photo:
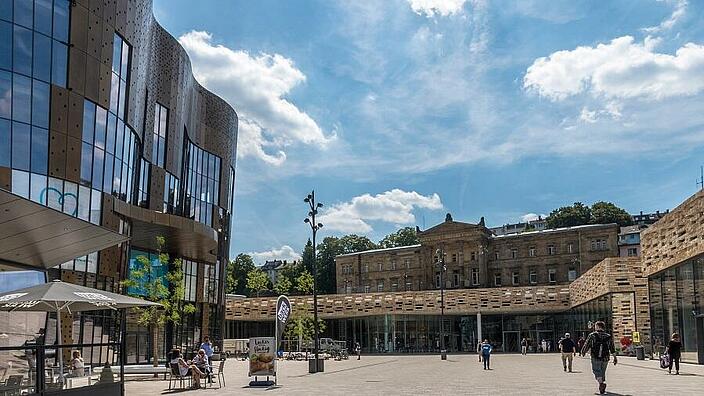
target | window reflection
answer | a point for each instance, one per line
(202, 183)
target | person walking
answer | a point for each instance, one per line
(674, 349)
(601, 345)
(486, 354)
(479, 351)
(567, 351)
(543, 346)
(358, 350)
(524, 346)
(580, 343)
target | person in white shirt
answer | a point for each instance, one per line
(185, 368)
(77, 365)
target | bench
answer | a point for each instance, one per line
(137, 369)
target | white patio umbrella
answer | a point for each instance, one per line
(58, 296)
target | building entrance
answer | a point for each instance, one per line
(511, 341)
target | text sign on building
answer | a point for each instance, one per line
(261, 356)
(636, 337)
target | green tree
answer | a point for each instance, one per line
(283, 285)
(327, 277)
(257, 281)
(304, 283)
(236, 274)
(606, 212)
(301, 326)
(355, 243)
(147, 281)
(307, 258)
(569, 216)
(406, 236)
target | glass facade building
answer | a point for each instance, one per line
(87, 129)
(676, 305)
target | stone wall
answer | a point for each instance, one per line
(676, 237)
(624, 280)
(513, 300)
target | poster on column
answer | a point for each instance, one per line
(261, 356)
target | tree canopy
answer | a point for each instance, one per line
(406, 236)
(236, 274)
(257, 281)
(579, 214)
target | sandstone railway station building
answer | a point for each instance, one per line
(534, 284)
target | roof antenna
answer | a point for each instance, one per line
(700, 181)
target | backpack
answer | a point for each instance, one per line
(600, 345)
(486, 349)
(665, 361)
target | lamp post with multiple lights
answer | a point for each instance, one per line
(314, 226)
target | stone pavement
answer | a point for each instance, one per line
(536, 374)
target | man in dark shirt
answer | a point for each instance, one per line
(601, 345)
(567, 351)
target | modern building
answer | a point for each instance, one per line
(673, 261)
(106, 143)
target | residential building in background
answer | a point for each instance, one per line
(106, 133)
(648, 218)
(538, 224)
(629, 240)
(274, 267)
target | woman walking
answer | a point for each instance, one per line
(674, 349)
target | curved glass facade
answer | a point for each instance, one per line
(202, 177)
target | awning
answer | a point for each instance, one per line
(38, 237)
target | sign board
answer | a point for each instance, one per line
(283, 312)
(262, 353)
(636, 337)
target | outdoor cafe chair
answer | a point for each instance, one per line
(220, 374)
(176, 375)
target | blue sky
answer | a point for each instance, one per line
(399, 111)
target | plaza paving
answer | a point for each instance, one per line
(539, 374)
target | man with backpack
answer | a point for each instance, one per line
(601, 345)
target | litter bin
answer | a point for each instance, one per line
(311, 366)
(640, 352)
(443, 354)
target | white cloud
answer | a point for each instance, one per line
(285, 252)
(256, 86)
(531, 216)
(588, 116)
(618, 70)
(667, 24)
(395, 206)
(431, 8)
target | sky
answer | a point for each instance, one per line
(399, 111)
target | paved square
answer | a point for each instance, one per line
(537, 374)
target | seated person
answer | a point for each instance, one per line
(107, 375)
(77, 366)
(185, 368)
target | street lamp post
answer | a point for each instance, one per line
(314, 226)
(441, 263)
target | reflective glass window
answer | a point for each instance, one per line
(88, 121)
(107, 173)
(5, 45)
(110, 138)
(86, 162)
(95, 206)
(22, 50)
(5, 94)
(98, 158)
(42, 16)
(21, 98)
(6, 10)
(5, 142)
(20, 183)
(24, 12)
(40, 150)
(40, 104)
(60, 28)
(41, 67)
(37, 187)
(20, 145)
(116, 54)
(59, 59)
(100, 124)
